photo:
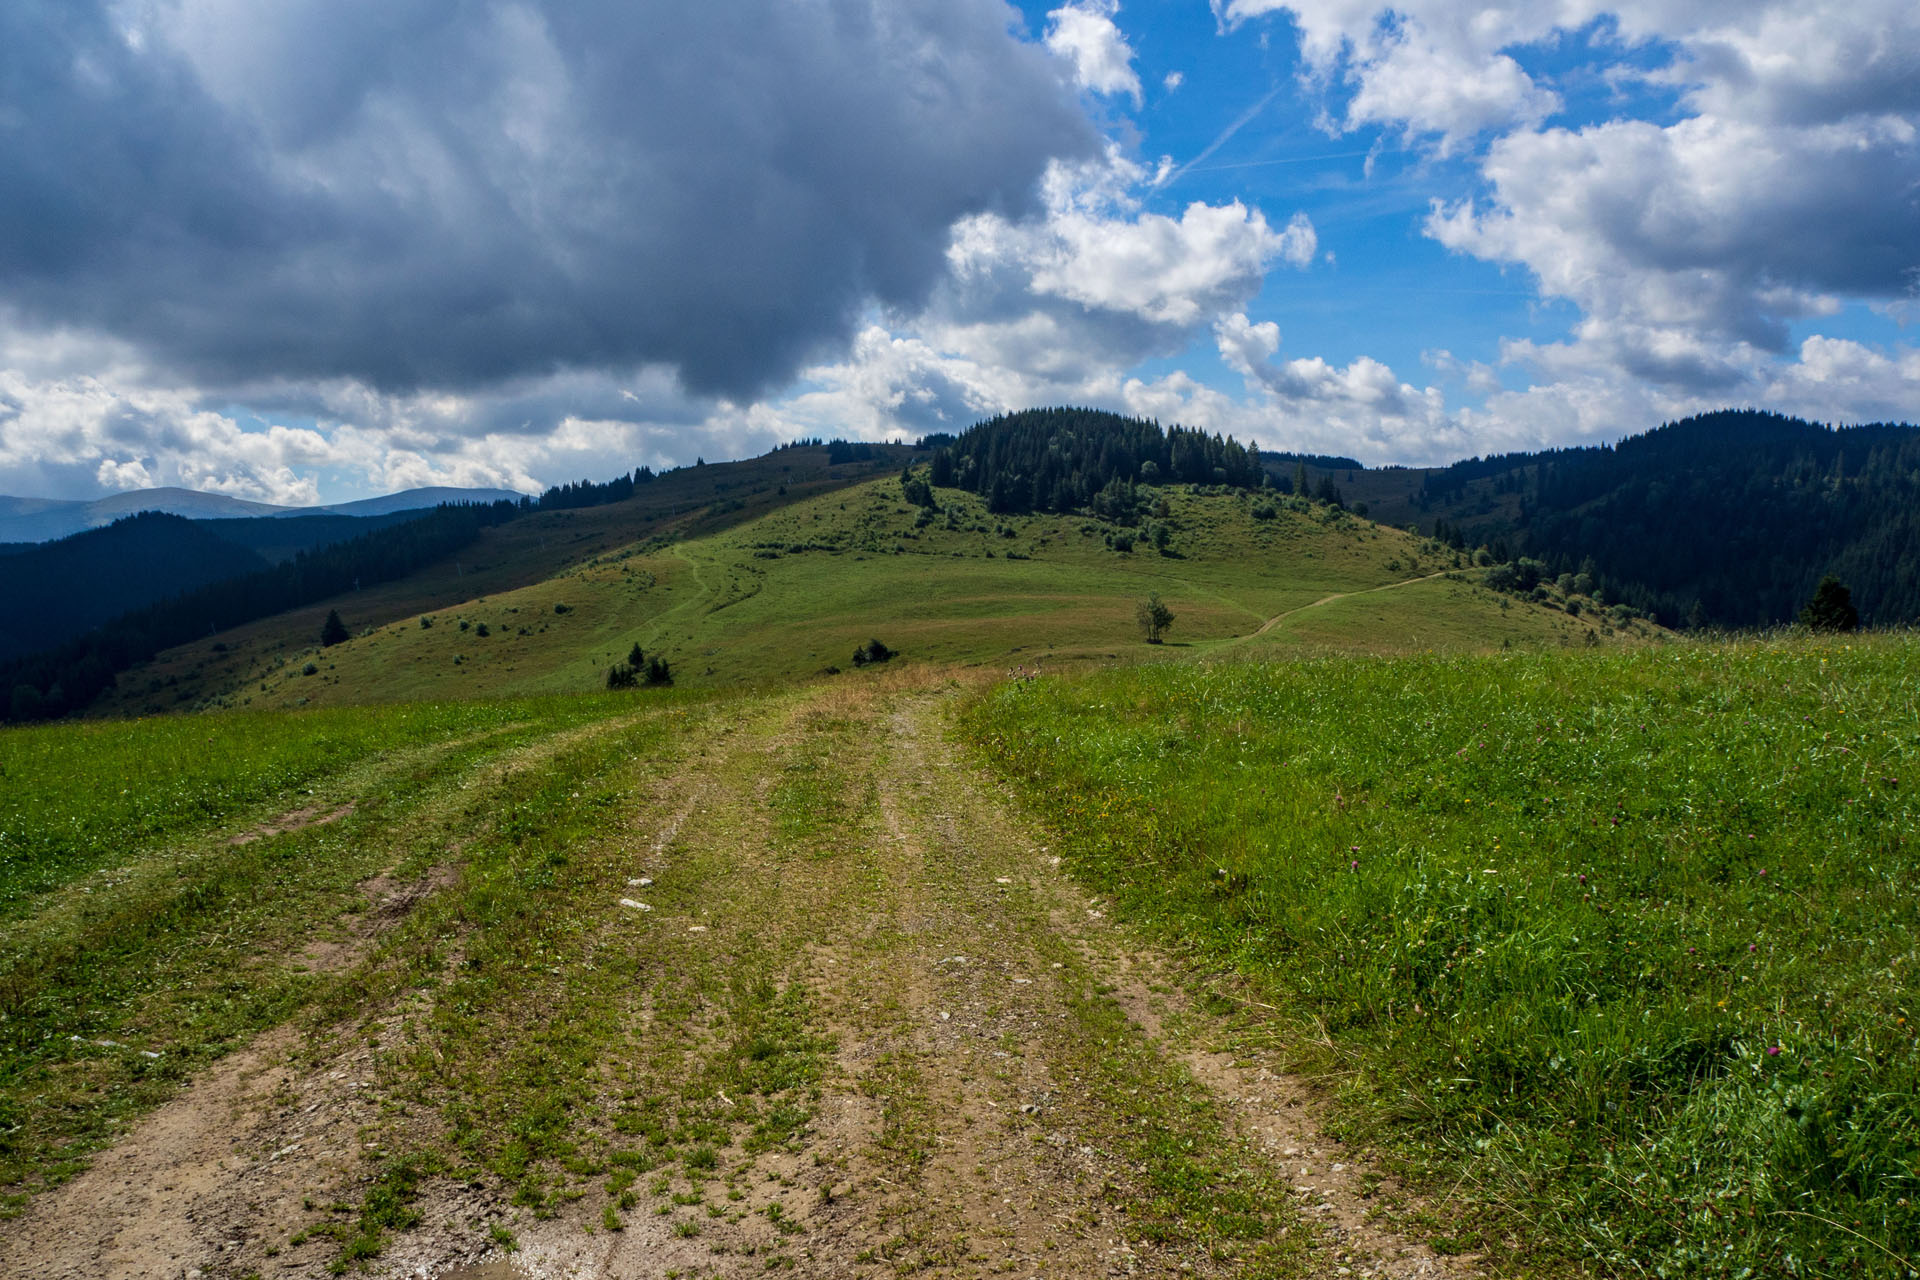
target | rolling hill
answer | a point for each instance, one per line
(790, 592)
(62, 588)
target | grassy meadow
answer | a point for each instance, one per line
(1613, 951)
(226, 671)
(792, 593)
(168, 880)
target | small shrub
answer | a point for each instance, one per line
(481, 630)
(562, 608)
(310, 670)
(873, 651)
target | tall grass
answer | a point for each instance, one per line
(1619, 945)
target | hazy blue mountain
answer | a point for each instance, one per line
(44, 519)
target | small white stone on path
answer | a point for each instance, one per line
(635, 906)
(696, 928)
(641, 882)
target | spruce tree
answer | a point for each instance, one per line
(333, 631)
(1831, 608)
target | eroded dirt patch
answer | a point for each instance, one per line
(313, 815)
(216, 1183)
(389, 900)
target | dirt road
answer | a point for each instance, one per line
(842, 1014)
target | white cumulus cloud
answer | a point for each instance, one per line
(1085, 34)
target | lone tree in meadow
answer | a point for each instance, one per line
(1154, 617)
(333, 631)
(1831, 608)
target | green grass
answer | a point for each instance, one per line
(145, 942)
(75, 796)
(792, 593)
(1615, 951)
(227, 670)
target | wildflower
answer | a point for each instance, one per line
(1773, 1051)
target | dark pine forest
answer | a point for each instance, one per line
(1727, 519)
(1066, 459)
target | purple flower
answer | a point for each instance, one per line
(1774, 1052)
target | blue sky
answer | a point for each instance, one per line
(329, 250)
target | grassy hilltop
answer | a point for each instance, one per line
(788, 594)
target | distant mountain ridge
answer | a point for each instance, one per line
(62, 588)
(45, 519)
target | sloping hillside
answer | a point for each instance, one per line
(62, 588)
(518, 554)
(1727, 518)
(794, 593)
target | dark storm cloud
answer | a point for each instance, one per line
(419, 195)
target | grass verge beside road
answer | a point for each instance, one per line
(1616, 950)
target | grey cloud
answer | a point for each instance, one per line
(413, 195)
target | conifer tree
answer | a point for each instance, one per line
(333, 631)
(1831, 608)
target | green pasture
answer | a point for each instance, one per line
(1614, 950)
(165, 877)
(793, 593)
